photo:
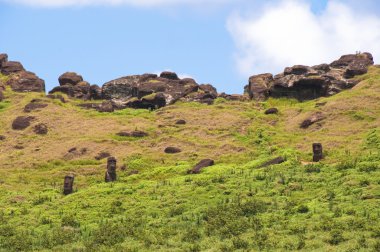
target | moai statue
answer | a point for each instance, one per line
(68, 184)
(111, 170)
(317, 152)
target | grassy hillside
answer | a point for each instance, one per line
(232, 206)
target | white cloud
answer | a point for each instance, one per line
(140, 3)
(289, 33)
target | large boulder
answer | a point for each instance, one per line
(152, 101)
(95, 92)
(74, 86)
(24, 81)
(149, 90)
(22, 122)
(69, 78)
(10, 67)
(169, 75)
(350, 59)
(3, 58)
(306, 83)
(259, 85)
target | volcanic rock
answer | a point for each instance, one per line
(10, 67)
(102, 155)
(202, 164)
(73, 85)
(1, 96)
(24, 81)
(311, 120)
(22, 122)
(105, 106)
(209, 89)
(234, 97)
(152, 101)
(136, 133)
(34, 105)
(95, 92)
(151, 92)
(69, 78)
(180, 122)
(79, 91)
(3, 59)
(306, 83)
(271, 111)
(2, 138)
(41, 129)
(172, 150)
(259, 85)
(277, 160)
(74, 153)
(169, 75)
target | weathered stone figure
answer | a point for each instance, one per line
(111, 170)
(317, 152)
(68, 185)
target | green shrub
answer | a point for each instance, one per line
(69, 221)
(303, 209)
(346, 165)
(313, 168)
(336, 237)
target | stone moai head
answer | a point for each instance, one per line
(111, 164)
(68, 184)
(111, 170)
(317, 152)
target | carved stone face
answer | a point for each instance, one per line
(111, 165)
(68, 181)
(317, 148)
(68, 184)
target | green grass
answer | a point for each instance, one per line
(234, 205)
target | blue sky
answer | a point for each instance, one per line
(217, 42)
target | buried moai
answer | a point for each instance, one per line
(68, 184)
(317, 152)
(111, 170)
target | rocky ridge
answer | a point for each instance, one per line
(18, 78)
(306, 83)
(150, 91)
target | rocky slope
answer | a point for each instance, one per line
(150, 91)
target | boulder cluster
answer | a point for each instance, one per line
(306, 83)
(18, 78)
(74, 86)
(148, 91)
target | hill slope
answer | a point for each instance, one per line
(235, 204)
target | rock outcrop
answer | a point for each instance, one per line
(74, 86)
(18, 78)
(10, 67)
(25, 81)
(306, 83)
(147, 91)
(146, 87)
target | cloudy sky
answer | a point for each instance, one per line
(221, 42)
